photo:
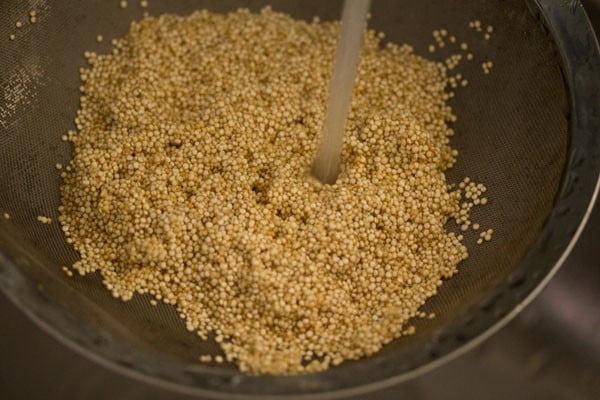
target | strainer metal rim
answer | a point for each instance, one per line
(570, 28)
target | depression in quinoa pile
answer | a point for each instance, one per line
(189, 181)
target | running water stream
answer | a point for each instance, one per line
(326, 166)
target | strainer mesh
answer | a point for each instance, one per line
(511, 134)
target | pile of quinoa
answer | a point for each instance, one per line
(190, 182)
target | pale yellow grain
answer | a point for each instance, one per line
(195, 174)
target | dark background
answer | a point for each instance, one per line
(550, 351)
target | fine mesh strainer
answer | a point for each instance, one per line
(529, 131)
